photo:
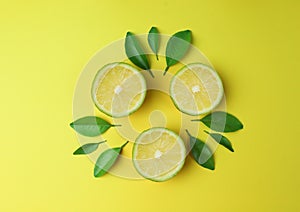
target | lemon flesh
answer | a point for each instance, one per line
(158, 154)
(196, 89)
(118, 89)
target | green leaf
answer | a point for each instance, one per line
(221, 140)
(177, 47)
(91, 126)
(106, 160)
(153, 40)
(87, 148)
(201, 153)
(221, 122)
(135, 52)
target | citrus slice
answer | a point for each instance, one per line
(196, 89)
(118, 89)
(158, 154)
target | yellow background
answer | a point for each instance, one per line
(44, 45)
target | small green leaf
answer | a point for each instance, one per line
(221, 122)
(87, 148)
(91, 126)
(153, 40)
(177, 47)
(106, 160)
(135, 52)
(201, 153)
(221, 140)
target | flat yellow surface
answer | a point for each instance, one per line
(44, 45)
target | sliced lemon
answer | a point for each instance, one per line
(158, 154)
(196, 89)
(118, 89)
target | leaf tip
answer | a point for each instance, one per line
(96, 174)
(210, 166)
(242, 126)
(77, 151)
(129, 33)
(189, 34)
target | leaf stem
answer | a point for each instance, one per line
(151, 73)
(189, 134)
(157, 57)
(102, 142)
(166, 69)
(196, 120)
(206, 132)
(124, 144)
(116, 125)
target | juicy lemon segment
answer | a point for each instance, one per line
(118, 89)
(158, 154)
(196, 89)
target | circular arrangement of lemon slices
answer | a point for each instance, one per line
(158, 153)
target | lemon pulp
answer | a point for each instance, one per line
(118, 89)
(196, 89)
(158, 154)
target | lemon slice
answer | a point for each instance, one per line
(118, 89)
(158, 154)
(196, 89)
